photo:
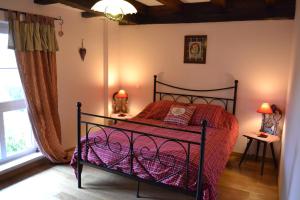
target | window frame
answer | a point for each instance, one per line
(3, 27)
(11, 106)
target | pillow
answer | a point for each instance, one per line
(146, 110)
(211, 113)
(180, 114)
(226, 121)
(160, 109)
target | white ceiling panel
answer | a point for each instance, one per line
(150, 2)
(194, 1)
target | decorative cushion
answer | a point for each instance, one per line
(211, 113)
(159, 110)
(180, 114)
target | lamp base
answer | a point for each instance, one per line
(122, 115)
(262, 135)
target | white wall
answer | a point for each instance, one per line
(257, 53)
(77, 80)
(289, 179)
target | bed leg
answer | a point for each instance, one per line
(138, 190)
(79, 165)
(199, 192)
(79, 171)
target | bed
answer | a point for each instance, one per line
(188, 158)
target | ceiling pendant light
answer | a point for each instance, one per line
(114, 9)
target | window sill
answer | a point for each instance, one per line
(18, 163)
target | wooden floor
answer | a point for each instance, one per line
(58, 182)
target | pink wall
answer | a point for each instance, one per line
(256, 53)
(113, 61)
(289, 179)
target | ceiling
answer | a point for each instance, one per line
(150, 2)
(192, 11)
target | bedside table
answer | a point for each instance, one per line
(123, 116)
(268, 140)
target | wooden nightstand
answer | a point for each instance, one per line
(268, 140)
(124, 116)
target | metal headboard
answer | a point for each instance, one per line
(192, 98)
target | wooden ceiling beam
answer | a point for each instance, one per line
(141, 8)
(270, 2)
(236, 10)
(91, 14)
(219, 3)
(87, 5)
(45, 2)
(174, 5)
(214, 11)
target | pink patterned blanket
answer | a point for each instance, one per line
(159, 159)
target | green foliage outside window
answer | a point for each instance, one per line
(14, 145)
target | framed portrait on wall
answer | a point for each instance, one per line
(195, 49)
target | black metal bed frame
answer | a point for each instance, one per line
(192, 98)
(132, 136)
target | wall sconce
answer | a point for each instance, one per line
(120, 100)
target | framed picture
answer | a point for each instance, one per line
(195, 49)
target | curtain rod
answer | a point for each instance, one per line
(24, 13)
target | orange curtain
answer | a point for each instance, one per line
(38, 74)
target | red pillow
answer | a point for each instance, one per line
(226, 121)
(160, 109)
(146, 110)
(180, 114)
(211, 113)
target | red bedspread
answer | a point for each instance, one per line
(161, 160)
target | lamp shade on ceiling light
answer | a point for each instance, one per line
(122, 94)
(265, 108)
(114, 9)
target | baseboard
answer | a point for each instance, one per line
(251, 156)
(26, 170)
(236, 154)
(23, 171)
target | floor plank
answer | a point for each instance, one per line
(59, 183)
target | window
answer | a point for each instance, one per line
(16, 136)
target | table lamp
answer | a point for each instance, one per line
(264, 109)
(120, 99)
(122, 94)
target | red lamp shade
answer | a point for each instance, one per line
(122, 94)
(265, 108)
